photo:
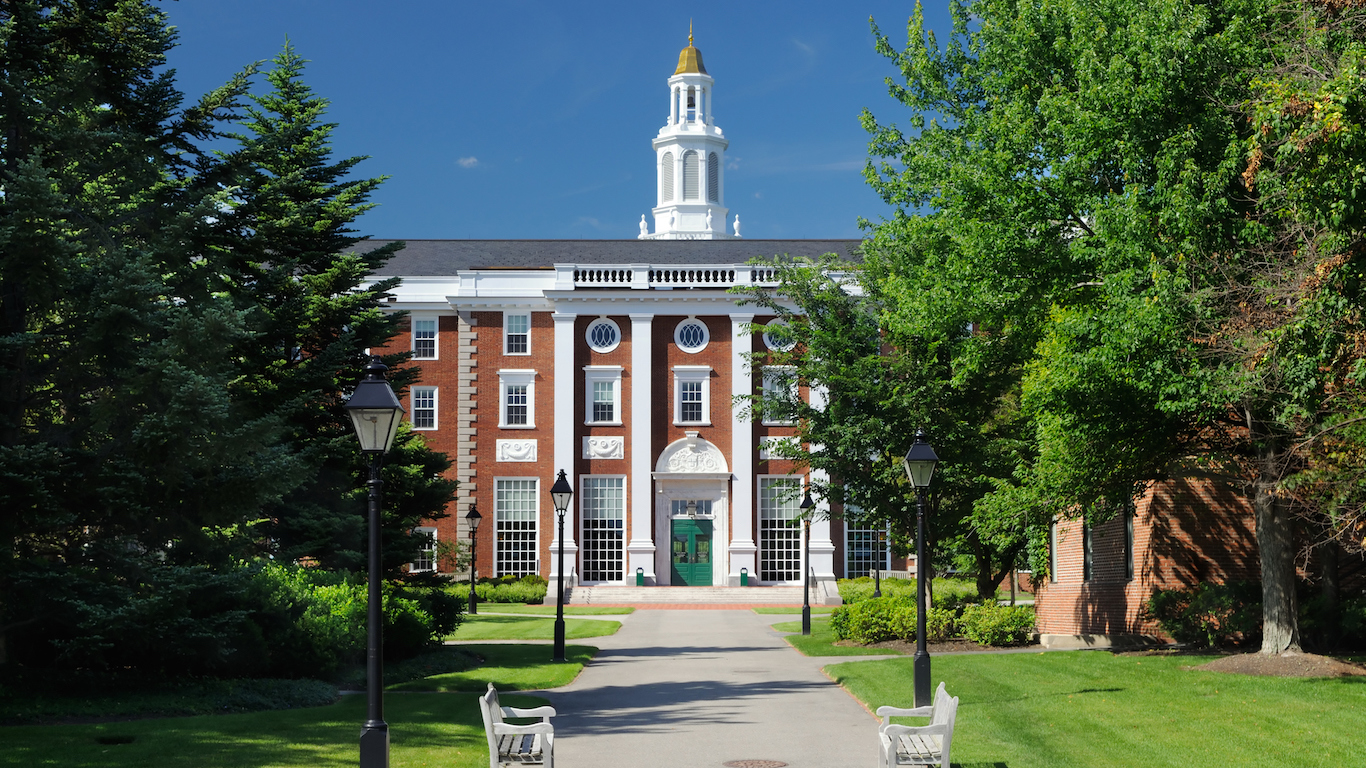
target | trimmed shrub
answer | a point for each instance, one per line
(510, 589)
(875, 620)
(1209, 615)
(992, 624)
(940, 623)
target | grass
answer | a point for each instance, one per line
(1091, 708)
(786, 609)
(508, 667)
(549, 610)
(161, 698)
(821, 641)
(425, 729)
(485, 627)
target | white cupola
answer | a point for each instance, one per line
(690, 159)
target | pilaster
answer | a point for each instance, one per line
(566, 439)
(640, 550)
(743, 551)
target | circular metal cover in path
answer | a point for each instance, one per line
(755, 764)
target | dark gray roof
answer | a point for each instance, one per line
(446, 257)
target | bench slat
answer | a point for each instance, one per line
(520, 748)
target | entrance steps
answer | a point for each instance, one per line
(618, 595)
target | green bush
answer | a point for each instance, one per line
(510, 589)
(992, 624)
(875, 620)
(857, 590)
(1209, 615)
(941, 623)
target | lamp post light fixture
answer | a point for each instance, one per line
(806, 507)
(560, 494)
(472, 518)
(374, 412)
(919, 464)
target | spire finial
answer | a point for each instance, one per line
(689, 31)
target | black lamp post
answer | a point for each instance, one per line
(560, 494)
(919, 464)
(374, 412)
(877, 571)
(806, 506)
(472, 518)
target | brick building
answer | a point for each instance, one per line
(1182, 532)
(618, 361)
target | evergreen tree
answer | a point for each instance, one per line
(300, 273)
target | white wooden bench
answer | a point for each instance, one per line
(922, 744)
(511, 745)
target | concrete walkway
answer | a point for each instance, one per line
(700, 688)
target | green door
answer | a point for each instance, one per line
(691, 553)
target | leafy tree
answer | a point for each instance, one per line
(877, 387)
(1075, 183)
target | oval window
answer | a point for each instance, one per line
(603, 335)
(691, 335)
(778, 340)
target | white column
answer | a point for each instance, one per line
(743, 552)
(822, 547)
(673, 106)
(565, 435)
(641, 548)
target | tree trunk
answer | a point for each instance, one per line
(1275, 540)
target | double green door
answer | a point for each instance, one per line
(691, 555)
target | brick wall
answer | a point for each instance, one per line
(1184, 531)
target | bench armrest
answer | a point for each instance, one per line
(941, 729)
(502, 728)
(534, 712)
(904, 712)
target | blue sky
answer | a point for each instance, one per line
(520, 119)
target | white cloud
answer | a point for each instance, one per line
(732, 163)
(804, 47)
(758, 195)
(467, 162)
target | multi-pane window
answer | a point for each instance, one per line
(602, 392)
(691, 508)
(779, 394)
(517, 395)
(780, 534)
(604, 528)
(424, 407)
(515, 514)
(424, 339)
(1129, 544)
(1053, 551)
(1087, 557)
(604, 401)
(864, 548)
(517, 334)
(425, 560)
(517, 405)
(690, 401)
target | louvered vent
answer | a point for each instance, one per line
(666, 177)
(690, 177)
(714, 178)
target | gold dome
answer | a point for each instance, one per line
(690, 59)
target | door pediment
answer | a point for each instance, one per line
(692, 458)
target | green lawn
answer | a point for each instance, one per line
(1056, 710)
(549, 610)
(821, 641)
(797, 609)
(425, 729)
(485, 627)
(510, 668)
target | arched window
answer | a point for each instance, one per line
(666, 177)
(690, 177)
(714, 178)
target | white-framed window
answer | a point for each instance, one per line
(603, 335)
(692, 335)
(1129, 543)
(1053, 550)
(780, 533)
(602, 389)
(516, 512)
(516, 399)
(602, 503)
(516, 333)
(424, 338)
(423, 401)
(692, 394)
(775, 338)
(864, 548)
(426, 553)
(779, 394)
